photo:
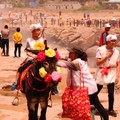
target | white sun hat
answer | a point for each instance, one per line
(35, 26)
(111, 37)
(107, 26)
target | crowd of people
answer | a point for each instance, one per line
(107, 59)
(22, 19)
(97, 23)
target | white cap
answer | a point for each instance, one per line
(111, 37)
(34, 26)
(107, 26)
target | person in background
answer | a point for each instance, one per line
(1, 46)
(9, 13)
(84, 15)
(5, 40)
(104, 35)
(36, 31)
(17, 37)
(78, 60)
(70, 21)
(108, 62)
(88, 15)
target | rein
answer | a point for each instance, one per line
(35, 79)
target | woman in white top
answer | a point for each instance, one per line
(35, 30)
(79, 61)
(107, 59)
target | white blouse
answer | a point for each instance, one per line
(88, 79)
(73, 76)
(31, 42)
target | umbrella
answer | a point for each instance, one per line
(113, 19)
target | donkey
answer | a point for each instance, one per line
(35, 87)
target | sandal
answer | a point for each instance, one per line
(14, 86)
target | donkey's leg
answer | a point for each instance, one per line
(32, 111)
(43, 109)
(36, 109)
(43, 114)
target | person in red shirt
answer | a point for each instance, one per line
(104, 35)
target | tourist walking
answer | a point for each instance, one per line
(107, 59)
(104, 35)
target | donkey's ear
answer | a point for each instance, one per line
(55, 49)
(45, 42)
(46, 48)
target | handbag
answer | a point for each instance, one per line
(76, 103)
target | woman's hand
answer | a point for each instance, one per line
(116, 80)
(108, 54)
(100, 61)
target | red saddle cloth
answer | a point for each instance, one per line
(22, 78)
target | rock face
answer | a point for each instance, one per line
(84, 38)
(73, 36)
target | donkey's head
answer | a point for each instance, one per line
(48, 71)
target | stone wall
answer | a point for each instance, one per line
(2, 6)
(63, 5)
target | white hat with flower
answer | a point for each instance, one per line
(111, 37)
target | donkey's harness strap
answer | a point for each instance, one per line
(36, 79)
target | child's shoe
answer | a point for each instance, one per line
(14, 86)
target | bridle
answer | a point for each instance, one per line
(37, 80)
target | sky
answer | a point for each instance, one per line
(114, 0)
